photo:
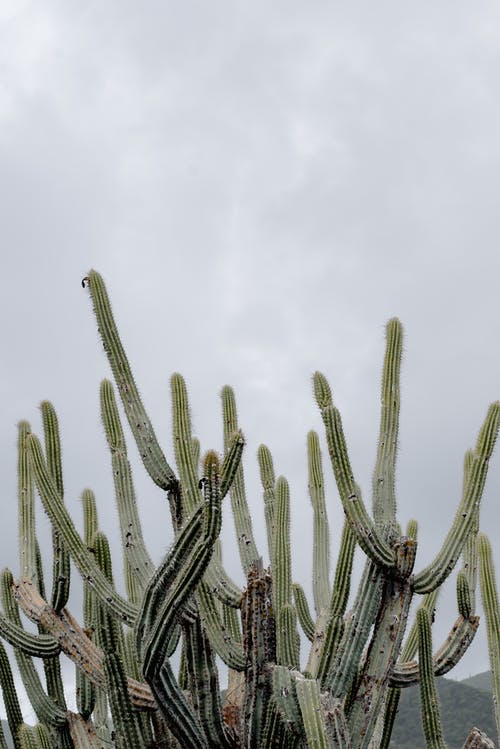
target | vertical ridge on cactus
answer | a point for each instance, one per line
(342, 694)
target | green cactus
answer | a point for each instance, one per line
(343, 694)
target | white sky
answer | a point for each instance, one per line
(262, 187)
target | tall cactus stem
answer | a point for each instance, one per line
(140, 424)
(383, 484)
(241, 514)
(321, 539)
(489, 596)
(268, 481)
(439, 569)
(431, 718)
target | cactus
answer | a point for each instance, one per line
(344, 693)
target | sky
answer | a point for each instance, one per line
(262, 186)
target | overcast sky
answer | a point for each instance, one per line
(262, 185)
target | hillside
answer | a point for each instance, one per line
(479, 681)
(462, 707)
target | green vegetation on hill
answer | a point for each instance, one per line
(462, 707)
(479, 681)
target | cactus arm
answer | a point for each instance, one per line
(149, 449)
(268, 486)
(390, 713)
(431, 719)
(333, 628)
(410, 647)
(407, 673)
(308, 697)
(61, 520)
(126, 722)
(176, 711)
(463, 595)
(215, 576)
(384, 497)
(221, 639)
(46, 709)
(159, 626)
(26, 505)
(302, 607)
(85, 689)
(38, 646)
(329, 630)
(275, 731)
(132, 539)
(181, 429)
(27, 740)
(288, 641)
(465, 518)
(126, 725)
(344, 669)
(321, 540)
(11, 701)
(343, 571)
(285, 699)
(61, 564)
(73, 640)
(282, 563)
(242, 519)
(259, 640)
(204, 685)
(489, 598)
(350, 494)
(83, 732)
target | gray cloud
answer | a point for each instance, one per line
(262, 187)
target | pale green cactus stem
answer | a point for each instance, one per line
(46, 709)
(306, 621)
(384, 496)
(10, 698)
(204, 686)
(431, 718)
(285, 698)
(61, 520)
(287, 642)
(85, 690)
(156, 668)
(127, 728)
(216, 577)
(26, 506)
(151, 454)
(241, 514)
(60, 561)
(489, 596)
(313, 716)
(137, 559)
(329, 630)
(374, 547)
(470, 554)
(321, 538)
(439, 569)
(268, 482)
(60, 564)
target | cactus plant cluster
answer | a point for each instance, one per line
(343, 693)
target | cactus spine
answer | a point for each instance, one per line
(346, 696)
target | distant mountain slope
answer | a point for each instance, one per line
(462, 707)
(479, 681)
